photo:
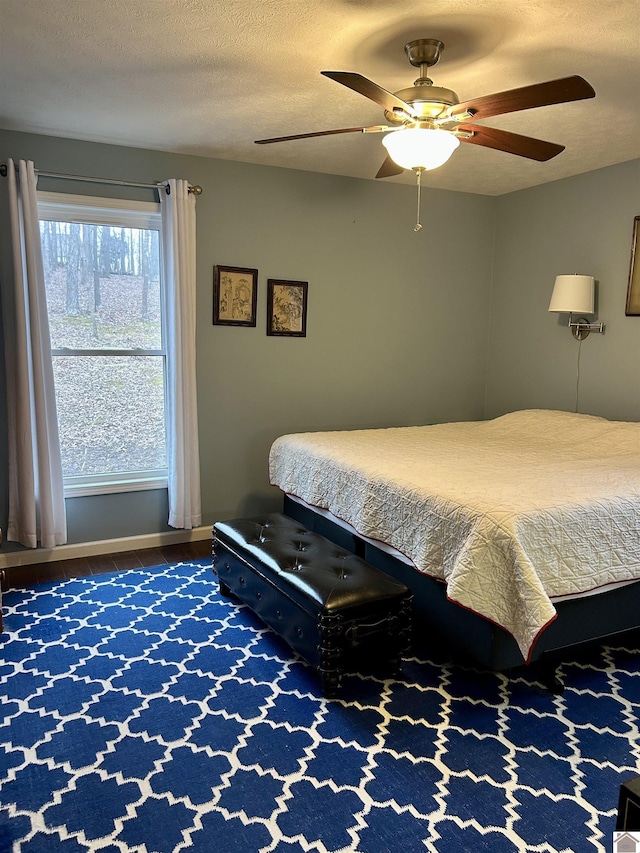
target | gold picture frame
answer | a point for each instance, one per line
(235, 296)
(287, 308)
(633, 290)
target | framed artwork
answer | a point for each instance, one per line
(633, 291)
(287, 308)
(235, 296)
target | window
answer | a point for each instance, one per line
(106, 316)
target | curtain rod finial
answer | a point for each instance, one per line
(196, 189)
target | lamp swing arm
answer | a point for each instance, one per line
(581, 327)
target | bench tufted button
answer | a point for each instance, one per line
(299, 631)
(258, 595)
(242, 581)
(279, 614)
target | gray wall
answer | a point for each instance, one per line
(578, 225)
(397, 321)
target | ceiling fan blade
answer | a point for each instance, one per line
(376, 128)
(538, 95)
(370, 90)
(389, 168)
(512, 143)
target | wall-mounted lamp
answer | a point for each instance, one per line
(575, 294)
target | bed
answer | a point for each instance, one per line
(518, 535)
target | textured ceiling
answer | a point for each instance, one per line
(208, 77)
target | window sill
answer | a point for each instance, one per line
(136, 484)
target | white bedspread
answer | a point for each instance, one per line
(510, 512)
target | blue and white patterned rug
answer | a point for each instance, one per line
(142, 712)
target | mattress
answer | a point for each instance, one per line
(510, 513)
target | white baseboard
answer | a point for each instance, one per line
(103, 546)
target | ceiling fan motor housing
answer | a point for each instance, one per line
(426, 101)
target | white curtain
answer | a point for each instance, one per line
(36, 492)
(178, 207)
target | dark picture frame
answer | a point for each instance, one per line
(287, 308)
(235, 296)
(633, 290)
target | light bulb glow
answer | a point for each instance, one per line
(420, 148)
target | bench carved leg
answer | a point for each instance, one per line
(330, 648)
(330, 683)
(406, 617)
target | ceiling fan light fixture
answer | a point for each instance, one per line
(420, 148)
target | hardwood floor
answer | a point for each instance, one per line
(21, 576)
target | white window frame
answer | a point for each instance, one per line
(128, 214)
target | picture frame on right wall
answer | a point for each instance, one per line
(633, 291)
(287, 308)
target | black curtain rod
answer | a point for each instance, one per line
(196, 190)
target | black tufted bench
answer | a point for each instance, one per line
(333, 609)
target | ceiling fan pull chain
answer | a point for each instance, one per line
(418, 227)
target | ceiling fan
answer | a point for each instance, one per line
(426, 123)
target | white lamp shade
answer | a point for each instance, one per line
(420, 148)
(573, 294)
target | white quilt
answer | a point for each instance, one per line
(510, 512)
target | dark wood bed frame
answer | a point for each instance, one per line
(472, 638)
